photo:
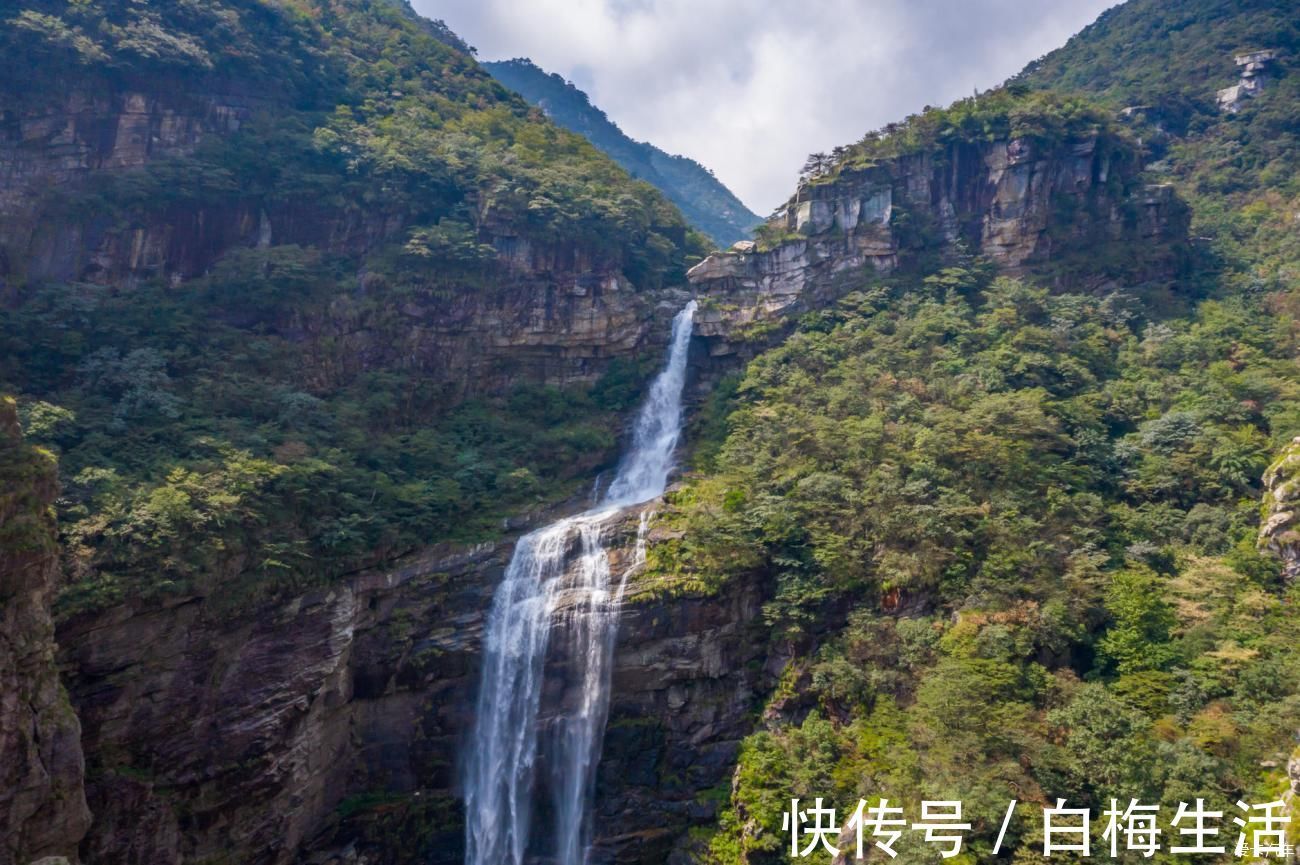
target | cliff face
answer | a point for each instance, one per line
(1278, 524)
(556, 311)
(1017, 202)
(42, 803)
(299, 727)
(52, 148)
(329, 728)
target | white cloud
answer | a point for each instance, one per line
(750, 88)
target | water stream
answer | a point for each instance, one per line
(561, 574)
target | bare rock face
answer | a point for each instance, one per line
(329, 728)
(52, 148)
(539, 325)
(42, 804)
(1013, 202)
(224, 733)
(687, 670)
(1279, 531)
(553, 313)
(1256, 69)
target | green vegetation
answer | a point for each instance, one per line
(1045, 119)
(250, 428)
(1035, 125)
(709, 205)
(1167, 61)
(1040, 512)
(194, 452)
(1010, 535)
(27, 482)
(1170, 58)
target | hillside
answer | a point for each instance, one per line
(1164, 65)
(303, 246)
(992, 438)
(705, 202)
(1008, 504)
(290, 290)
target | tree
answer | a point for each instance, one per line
(1139, 638)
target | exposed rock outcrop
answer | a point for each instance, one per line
(53, 148)
(554, 312)
(1256, 67)
(1015, 202)
(330, 726)
(1279, 531)
(42, 803)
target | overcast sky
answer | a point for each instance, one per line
(751, 87)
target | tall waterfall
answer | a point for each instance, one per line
(561, 571)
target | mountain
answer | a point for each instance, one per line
(1008, 452)
(986, 492)
(1209, 88)
(290, 290)
(705, 202)
(367, 226)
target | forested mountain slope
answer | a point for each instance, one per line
(254, 249)
(290, 289)
(1164, 65)
(709, 205)
(1010, 521)
(988, 478)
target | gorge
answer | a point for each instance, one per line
(982, 452)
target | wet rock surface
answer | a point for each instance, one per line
(332, 725)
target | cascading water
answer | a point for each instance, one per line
(504, 749)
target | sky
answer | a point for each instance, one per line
(750, 87)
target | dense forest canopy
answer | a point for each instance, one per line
(199, 441)
(1010, 533)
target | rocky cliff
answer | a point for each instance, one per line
(1021, 203)
(558, 311)
(1278, 523)
(42, 803)
(443, 237)
(1279, 537)
(328, 728)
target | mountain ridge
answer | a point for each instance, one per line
(970, 508)
(703, 199)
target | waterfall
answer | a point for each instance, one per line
(545, 582)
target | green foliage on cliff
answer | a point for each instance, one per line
(1166, 62)
(1011, 536)
(704, 201)
(195, 452)
(27, 485)
(249, 428)
(1170, 58)
(372, 106)
(1042, 119)
(1037, 513)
